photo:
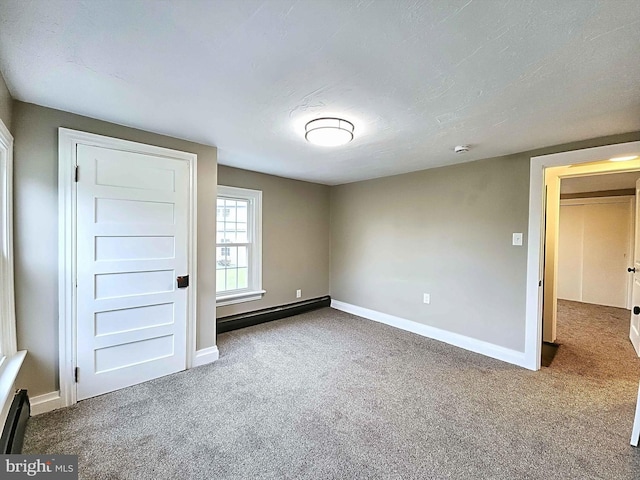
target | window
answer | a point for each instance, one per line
(238, 245)
(10, 358)
(7, 311)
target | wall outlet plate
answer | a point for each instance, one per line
(517, 239)
(298, 293)
(426, 298)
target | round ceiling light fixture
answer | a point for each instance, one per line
(329, 131)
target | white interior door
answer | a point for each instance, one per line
(634, 331)
(132, 234)
(635, 431)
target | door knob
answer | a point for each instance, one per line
(183, 282)
(631, 269)
(636, 310)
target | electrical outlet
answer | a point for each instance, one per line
(298, 293)
(517, 239)
(426, 298)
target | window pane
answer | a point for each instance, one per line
(241, 233)
(241, 214)
(242, 277)
(242, 256)
(232, 278)
(223, 257)
(221, 285)
(219, 232)
(230, 206)
(229, 235)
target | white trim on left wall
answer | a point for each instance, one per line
(67, 142)
(8, 339)
(10, 359)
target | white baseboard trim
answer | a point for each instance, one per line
(45, 403)
(478, 346)
(206, 355)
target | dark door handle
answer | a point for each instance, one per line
(636, 310)
(183, 282)
(631, 270)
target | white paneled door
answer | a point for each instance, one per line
(132, 234)
(634, 331)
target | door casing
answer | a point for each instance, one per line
(535, 249)
(67, 203)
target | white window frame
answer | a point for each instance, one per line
(10, 359)
(254, 233)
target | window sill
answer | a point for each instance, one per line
(223, 300)
(9, 368)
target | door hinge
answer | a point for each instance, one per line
(75, 374)
(75, 175)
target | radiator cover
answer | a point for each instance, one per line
(13, 432)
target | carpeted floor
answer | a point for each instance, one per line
(327, 395)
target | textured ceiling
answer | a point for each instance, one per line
(416, 78)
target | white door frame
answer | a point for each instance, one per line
(533, 316)
(67, 202)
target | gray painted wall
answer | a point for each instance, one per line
(36, 233)
(444, 231)
(6, 104)
(295, 250)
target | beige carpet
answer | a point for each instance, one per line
(327, 395)
(595, 343)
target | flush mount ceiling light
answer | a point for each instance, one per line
(623, 159)
(328, 132)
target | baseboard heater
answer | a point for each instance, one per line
(248, 319)
(16, 423)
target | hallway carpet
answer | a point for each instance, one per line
(328, 395)
(595, 342)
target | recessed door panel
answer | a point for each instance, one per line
(125, 284)
(134, 248)
(134, 353)
(135, 318)
(118, 210)
(116, 172)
